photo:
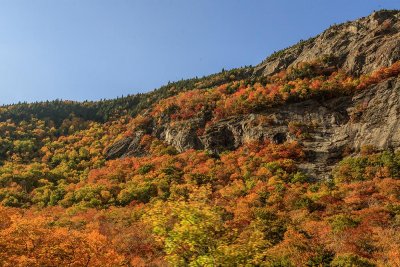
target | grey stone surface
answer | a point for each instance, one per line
(370, 117)
(360, 46)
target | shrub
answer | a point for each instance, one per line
(350, 260)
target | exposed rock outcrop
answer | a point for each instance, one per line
(127, 147)
(325, 128)
(118, 149)
(374, 117)
(360, 46)
(183, 136)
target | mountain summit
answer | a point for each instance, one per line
(360, 46)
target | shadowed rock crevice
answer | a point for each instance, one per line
(218, 139)
(279, 138)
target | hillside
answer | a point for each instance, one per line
(293, 162)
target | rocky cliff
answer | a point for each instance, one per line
(360, 46)
(327, 129)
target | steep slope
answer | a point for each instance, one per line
(360, 46)
(225, 170)
(334, 124)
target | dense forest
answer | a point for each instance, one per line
(283, 164)
(101, 111)
(64, 203)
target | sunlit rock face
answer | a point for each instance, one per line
(329, 127)
(360, 46)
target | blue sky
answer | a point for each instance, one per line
(94, 49)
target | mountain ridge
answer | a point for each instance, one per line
(373, 27)
(134, 104)
(376, 34)
(295, 167)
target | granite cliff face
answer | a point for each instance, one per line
(329, 128)
(360, 46)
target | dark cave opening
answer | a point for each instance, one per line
(279, 138)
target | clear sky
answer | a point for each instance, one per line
(93, 49)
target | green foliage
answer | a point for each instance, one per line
(322, 259)
(300, 177)
(135, 192)
(14, 198)
(271, 226)
(145, 168)
(281, 262)
(48, 195)
(366, 167)
(191, 238)
(342, 222)
(350, 260)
